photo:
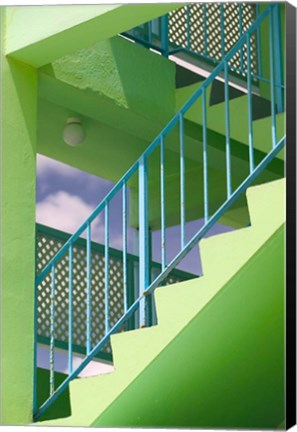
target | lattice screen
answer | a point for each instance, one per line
(47, 247)
(202, 22)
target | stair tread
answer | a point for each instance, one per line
(138, 348)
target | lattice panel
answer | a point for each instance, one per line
(47, 247)
(178, 27)
(196, 19)
(198, 29)
(214, 40)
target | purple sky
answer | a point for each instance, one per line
(66, 196)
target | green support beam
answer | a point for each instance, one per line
(39, 35)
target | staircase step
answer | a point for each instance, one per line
(236, 247)
(266, 204)
(129, 348)
(177, 305)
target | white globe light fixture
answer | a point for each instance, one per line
(73, 133)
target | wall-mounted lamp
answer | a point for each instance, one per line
(73, 133)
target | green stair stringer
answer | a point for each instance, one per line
(223, 258)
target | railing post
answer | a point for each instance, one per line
(165, 35)
(188, 27)
(70, 309)
(227, 126)
(205, 36)
(149, 298)
(106, 266)
(272, 74)
(143, 239)
(35, 406)
(205, 157)
(278, 58)
(89, 290)
(124, 227)
(132, 276)
(240, 34)
(222, 30)
(250, 104)
(52, 332)
(259, 45)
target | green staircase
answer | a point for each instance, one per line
(215, 359)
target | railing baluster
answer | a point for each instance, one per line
(222, 30)
(205, 157)
(259, 49)
(240, 33)
(272, 79)
(106, 267)
(146, 287)
(124, 198)
(277, 48)
(205, 28)
(52, 333)
(250, 102)
(35, 377)
(188, 27)
(150, 31)
(143, 238)
(227, 120)
(70, 316)
(182, 180)
(163, 209)
(89, 287)
(164, 35)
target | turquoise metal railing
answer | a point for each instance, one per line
(208, 31)
(205, 30)
(122, 290)
(147, 283)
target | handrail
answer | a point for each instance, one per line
(146, 284)
(173, 122)
(99, 248)
(48, 239)
(163, 39)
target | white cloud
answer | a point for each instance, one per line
(46, 166)
(67, 212)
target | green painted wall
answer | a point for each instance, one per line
(132, 77)
(40, 35)
(226, 368)
(124, 95)
(223, 257)
(18, 114)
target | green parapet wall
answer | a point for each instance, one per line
(18, 113)
(226, 368)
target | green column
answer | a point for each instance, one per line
(18, 112)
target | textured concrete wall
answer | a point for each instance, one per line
(127, 73)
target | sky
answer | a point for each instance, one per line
(66, 196)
